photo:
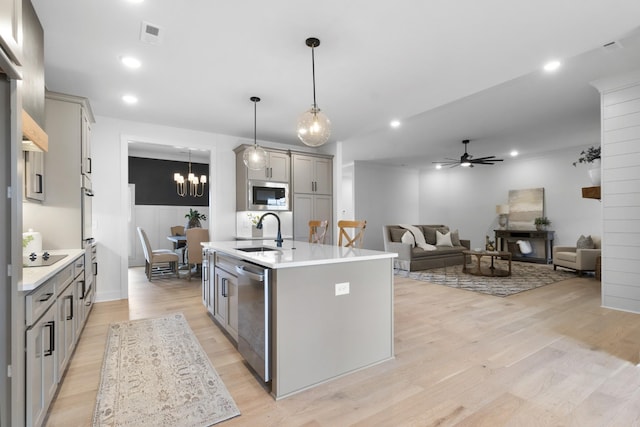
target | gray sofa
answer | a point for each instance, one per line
(415, 258)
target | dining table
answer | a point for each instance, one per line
(177, 239)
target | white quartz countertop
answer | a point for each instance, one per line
(32, 277)
(294, 253)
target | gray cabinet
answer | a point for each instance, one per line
(277, 169)
(225, 307)
(34, 175)
(312, 178)
(66, 331)
(312, 174)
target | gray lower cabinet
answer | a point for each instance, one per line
(41, 380)
(225, 305)
(66, 329)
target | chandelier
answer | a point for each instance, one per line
(314, 126)
(192, 185)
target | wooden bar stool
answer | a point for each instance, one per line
(317, 231)
(358, 233)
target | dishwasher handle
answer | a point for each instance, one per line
(253, 276)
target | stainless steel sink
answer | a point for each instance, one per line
(256, 249)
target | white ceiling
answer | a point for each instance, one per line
(448, 70)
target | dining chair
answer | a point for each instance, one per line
(317, 231)
(195, 236)
(354, 241)
(158, 258)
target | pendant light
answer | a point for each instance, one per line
(314, 126)
(254, 157)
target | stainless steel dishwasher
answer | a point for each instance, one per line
(254, 316)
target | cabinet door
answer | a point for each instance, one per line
(85, 145)
(232, 307)
(302, 214)
(323, 176)
(34, 175)
(80, 295)
(221, 292)
(303, 173)
(278, 167)
(65, 332)
(40, 367)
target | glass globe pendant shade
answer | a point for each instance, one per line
(254, 157)
(314, 127)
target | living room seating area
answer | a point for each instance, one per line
(582, 257)
(421, 247)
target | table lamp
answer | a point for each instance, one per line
(503, 212)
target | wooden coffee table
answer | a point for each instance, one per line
(492, 270)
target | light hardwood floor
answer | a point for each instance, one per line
(546, 357)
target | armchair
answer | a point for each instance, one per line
(579, 259)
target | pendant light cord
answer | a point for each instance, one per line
(255, 123)
(313, 73)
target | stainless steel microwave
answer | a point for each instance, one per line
(268, 196)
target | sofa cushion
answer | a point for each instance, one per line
(396, 234)
(566, 256)
(585, 243)
(430, 233)
(408, 238)
(418, 252)
(443, 239)
(455, 238)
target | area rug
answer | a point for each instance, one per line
(155, 373)
(524, 276)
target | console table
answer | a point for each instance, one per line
(541, 242)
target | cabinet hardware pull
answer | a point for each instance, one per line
(45, 297)
(224, 287)
(83, 289)
(95, 268)
(52, 337)
(70, 298)
(89, 165)
(39, 183)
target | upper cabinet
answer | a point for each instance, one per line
(33, 64)
(277, 169)
(312, 174)
(10, 29)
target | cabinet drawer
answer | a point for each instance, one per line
(42, 298)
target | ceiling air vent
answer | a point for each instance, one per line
(150, 33)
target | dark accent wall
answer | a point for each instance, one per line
(155, 185)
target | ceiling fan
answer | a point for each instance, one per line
(467, 160)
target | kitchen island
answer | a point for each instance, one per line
(327, 310)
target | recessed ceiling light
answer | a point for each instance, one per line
(514, 153)
(129, 99)
(395, 123)
(552, 66)
(130, 61)
(136, 1)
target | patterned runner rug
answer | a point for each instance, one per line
(524, 276)
(155, 373)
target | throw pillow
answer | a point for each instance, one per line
(455, 238)
(408, 238)
(443, 239)
(429, 235)
(396, 234)
(585, 243)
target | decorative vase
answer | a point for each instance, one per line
(541, 227)
(255, 231)
(194, 223)
(595, 172)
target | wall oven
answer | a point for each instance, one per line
(268, 196)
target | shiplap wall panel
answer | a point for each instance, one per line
(620, 100)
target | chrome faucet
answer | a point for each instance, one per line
(279, 235)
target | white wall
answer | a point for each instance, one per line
(621, 191)
(466, 198)
(110, 185)
(384, 195)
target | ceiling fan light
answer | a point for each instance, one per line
(314, 127)
(465, 164)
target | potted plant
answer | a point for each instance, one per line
(541, 223)
(255, 231)
(194, 219)
(591, 156)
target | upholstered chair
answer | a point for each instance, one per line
(581, 257)
(157, 258)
